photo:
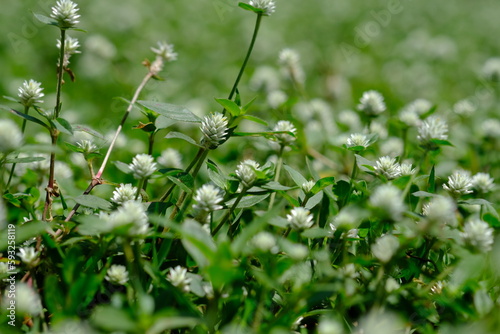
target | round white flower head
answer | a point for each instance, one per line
(358, 139)
(477, 236)
(71, 46)
(142, 166)
(388, 167)
(29, 256)
(214, 129)
(178, 277)
(246, 172)
(165, 51)
(4, 268)
(464, 107)
(131, 213)
(289, 59)
(350, 119)
(276, 98)
(65, 13)
(409, 117)
(432, 128)
(30, 93)
(329, 326)
(388, 199)
(407, 169)
(482, 182)
(117, 274)
(307, 186)
(265, 242)
(87, 146)
(124, 193)
(170, 158)
(459, 183)
(379, 129)
(11, 137)
(491, 128)
(300, 218)
(352, 233)
(439, 211)
(285, 138)
(385, 247)
(420, 106)
(372, 103)
(268, 6)
(208, 198)
(491, 69)
(27, 300)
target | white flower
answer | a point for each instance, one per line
(409, 117)
(491, 69)
(71, 46)
(170, 158)
(246, 172)
(64, 12)
(117, 274)
(388, 167)
(214, 129)
(358, 139)
(4, 268)
(407, 169)
(11, 137)
(276, 98)
(165, 51)
(420, 106)
(131, 213)
(30, 93)
(124, 193)
(477, 236)
(208, 198)
(300, 218)
(350, 119)
(142, 166)
(432, 128)
(329, 326)
(87, 146)
(26, 299)
(459, 183)
(307, 186)
(385, 247)
(268, 6)
(491, 127)
(464, 107)
(352, 233)
(178, 277)
(290, 61)
(265, 242)
(440, 211)
(388, 199)
(285, 138)
(372, 103)
(482, 182)
(28, 256)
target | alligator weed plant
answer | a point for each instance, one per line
(277, 215)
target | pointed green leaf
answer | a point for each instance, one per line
(64, 126)
(86, 129)
(247, 106)
(45, 19)
(322, 184)
(184, 180)
(296, 176)
(230, 106)
(24, 160)
(125, 168)
(255, 119)
(248, 201)
(93, 202)
(198, 242)
(431, 185)
(182, 136)
(23, 232)
(25, 116)
(172, 111)
(163, 122)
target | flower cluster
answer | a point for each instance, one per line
(30, 93)
(65, 13)
(214, 129)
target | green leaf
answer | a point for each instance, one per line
(441, 142)
(341, 189)
(86, 129)
(315, 233)
(230, 106)
(163, 122)
(245, 108)
(25, 116)
(63, 126)
(423, 194)
(22, 233)
(24, 160)
(431, 185)
(45, 19)
(162, 323)
(54, 295)
(11, 99)
(215, 174)
(198, 243)
(113, 319)
(172, 111)
(272, 185)
(364, 164)
(74, 148)
(246, 6)
(322, 184)
(93, 202)
(125, 168)
(146, 127)
(255, 119)
(248, 201)
(315, 200)
(296, 176)
(184, 180)
(182, 136)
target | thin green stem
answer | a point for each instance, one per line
(23, 128)
(277, 174)
(351, 181)
(230, 211)
(60, 69)
(151, 141)
(50, 190)
(133, 266)
(139, 187)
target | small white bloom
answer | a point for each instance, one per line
(459, 183)
(407, 169)
(87, 146)
(358, 139)
(178, 277)
(11, 137)
(4, 268)
(208, 198)
(464, 107)
(420, 106)
(246, 172)
(385, 247)
(491, 69)
(117, 274)
(29, 256)
(276, 98)
(440, 211)
(289, 59)
(300, 218)
(388, 199)
(65, 13)
(352, 233)
(30, 93)
(350, 119)
(379, 129)
(388, 167)
(491, 127)
(409, 117)
(482, 182)
(130, 213)
(268, 6)
(329, 326)
(372, 103)
(265, 242)
(477, 236)
(170, 158)
(124, 193)
(307, 186)
(432, 128)
(27, 300)
(214, 129)
(165, 51)
(285, 138)
(142, 166)
(71, 46)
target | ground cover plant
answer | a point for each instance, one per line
(258, 187)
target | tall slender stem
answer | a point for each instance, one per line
(23, 128)
(60, 70)
(351, 181)
(279, 163)
(230, 211)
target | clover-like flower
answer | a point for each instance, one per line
(491, 69)
(170, 158)
(29, 256)
(71, 46)
(208, 198)
(285, 138)
(407, 169)
(477, 236)
(388, 200)
(65, 13)
(268, 6)
(459, 183)
(124, 193)
(388, 167)
(372, 103)
(30, 93)
(214, 129)
(385, 247)
(307, 186)
(358, 139)
(27, 300)
(246, 172)
(166, 51)
(482, 182)
(117, 274)
(289, 59)
(11, 137)
(178, 277)
(300, 218)
(131, 214)
(432, 128)
(142, 166)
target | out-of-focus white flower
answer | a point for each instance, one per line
(87, 146)
(11, 137)
(388, 200)
(268, 6)
(208, 198)
(285, 138)
(29, 256)
(71, 46)
(459, 183)
(307, 186)
(420, 106)
(170, 158)
(432, 128)
(440, 211)
(372, 103)
(265, 242)
(300, 218)
(477, 236)
(482, 182)
(329, 326)
(491, 69)
(26, 299)
(407, 169)
(178, 277)
(409, 117)
(214, 129)
(276, 98)
(388, 167)
(30, 93)
(358, 139)
(131, 213)
(289, 59)
(117, 274)
(246, 172)
(265, 78)
(464, 108)
(385, 247)
(350, 119)
(124, 193)
(142, 166)
(4, 268)
(379, 129)
(165, 51)
(65, 13)
(491, 127)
